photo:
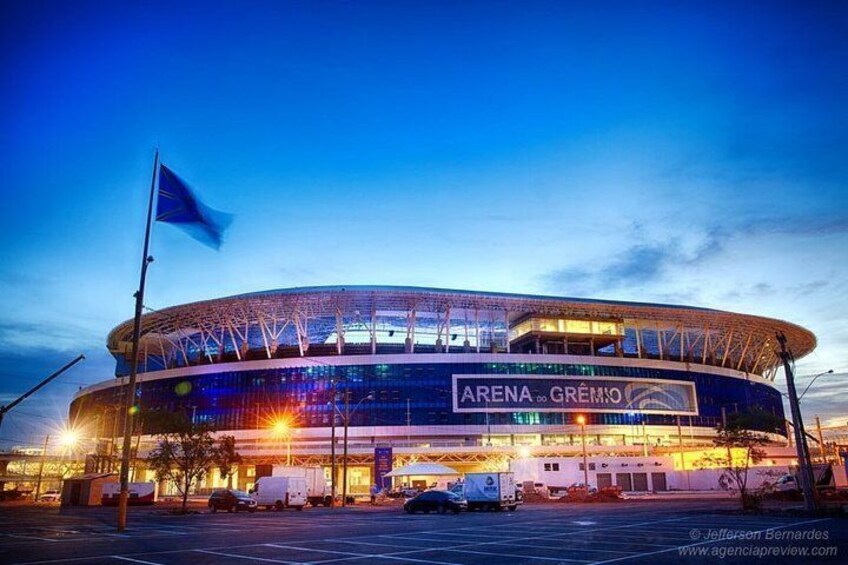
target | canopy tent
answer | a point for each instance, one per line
(426, 469)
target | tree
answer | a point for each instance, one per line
(738, 435)
(226, 458)
(184, 454)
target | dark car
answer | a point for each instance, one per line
(231, 501)
(440, 501)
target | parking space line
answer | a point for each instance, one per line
(557, 559)
(415, 560)
(706, 542)
(392, 556)
(475, 534)
(412, 536)
(36, 538)
(296, 548)
(628, 543)
(370, 543)
(134, 560)
(573, 548)
(237, 556)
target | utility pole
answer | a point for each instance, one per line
(41, 467)
(805, 472)
(821, 440)
(333, 445)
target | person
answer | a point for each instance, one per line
(375, 490)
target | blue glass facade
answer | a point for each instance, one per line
(235, 400)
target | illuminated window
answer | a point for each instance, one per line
(567, 326)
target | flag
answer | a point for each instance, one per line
(178, 205)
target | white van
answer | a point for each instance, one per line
(280, 492)
(318, 490)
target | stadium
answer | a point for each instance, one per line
(469, 379)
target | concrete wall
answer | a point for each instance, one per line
(569, 472)
(565, 471)
(708, 479)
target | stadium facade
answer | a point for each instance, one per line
(469, 379)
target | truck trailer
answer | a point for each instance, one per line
(139, 494)
(317, 489)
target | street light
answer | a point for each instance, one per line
(800, 398)
(582, 421)
(282, 428)
(804, 467)
(69, 438)
(41, 467)
(348, 413)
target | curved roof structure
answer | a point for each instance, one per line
(368, 319)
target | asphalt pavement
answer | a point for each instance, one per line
(702, 532)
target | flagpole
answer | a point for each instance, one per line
(146, 259)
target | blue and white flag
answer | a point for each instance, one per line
(178, 205)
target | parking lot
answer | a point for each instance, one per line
(636, 532)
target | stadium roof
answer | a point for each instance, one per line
(311, 315)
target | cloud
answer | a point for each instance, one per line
(41, 336)
(758, 290)
(639, 265)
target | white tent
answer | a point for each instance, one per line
(425, 469)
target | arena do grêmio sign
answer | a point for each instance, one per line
(551, 393)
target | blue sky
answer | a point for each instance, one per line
(636, 151)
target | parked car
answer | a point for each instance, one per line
(580, 486)
(786, 483)
(440, 501)
(50, 496)
(403, 492)
(14, 494)
(231, 501)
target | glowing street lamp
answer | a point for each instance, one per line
(283, 429)
(69, 438)
(582, 421)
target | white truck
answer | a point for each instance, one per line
(139, 493)
(317, 488)
(280, 492)
(490, 491)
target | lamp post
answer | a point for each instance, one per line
(582, 421)
(805, 471)
(69, 438)
(41, 467)
(348, 413)
(800, 398)
(333, 444)
(283, 429)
